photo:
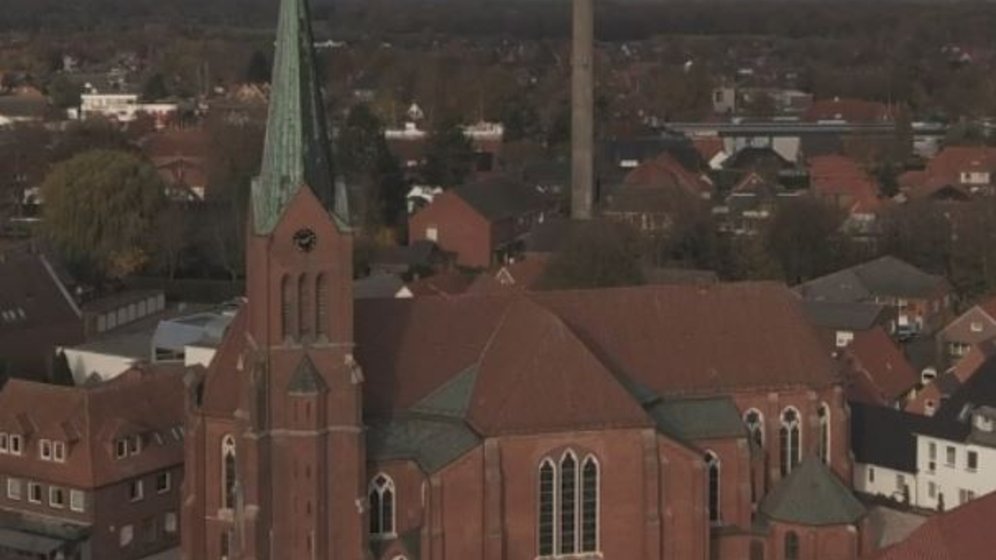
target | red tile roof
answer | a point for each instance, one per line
(962, 533)
(146, 400)
(708, 147)
(665, 171)
(443, 283)
(841, 180)
(523, 275)
(879, 366)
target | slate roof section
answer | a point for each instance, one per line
(885, 436)
(812, 495)
(964, 532)
(452, 399)
(698, 419)
(432, 443)
(852, 316)
(499, 198)
(884, 276)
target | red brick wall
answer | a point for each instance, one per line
(815, 543)
(460, 230)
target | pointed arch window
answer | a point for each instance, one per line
(381, 494)
(789, 436)
(547, 507)
(712, 468)
(569, 502)
(755, 426)
(791, 546)
(286, 307)
(824, 416)
(303, 327)
(228, 472)
(321, 304)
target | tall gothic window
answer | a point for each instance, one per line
(589, 505)
(568, 505)
(228, 472)
(225, 544)
(791, 546)
(382, 506)
(712, 466)
(789, 437)
(547, 480)
(286, 307)
(303, 309)
(321, 302)
(824, 415)
(755, 426)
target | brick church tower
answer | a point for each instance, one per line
(275, 451)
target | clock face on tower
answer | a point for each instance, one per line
(305, 240)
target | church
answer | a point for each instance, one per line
(652, 422)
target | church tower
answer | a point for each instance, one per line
(290, 454)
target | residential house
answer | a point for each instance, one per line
(936, 389)
(876, 371)
(179, 156)
(956, 172)
(885, 447)
(963, 532)
(29, 106)
(972, 327)
(842, 183)
(655, 193)
(839, 322)
(125, 108)
(750, 205)
(94, 471)
(481, 221)
(712, 151)
(921, 301)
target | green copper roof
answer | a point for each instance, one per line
(431, 442)
(695, 419)
(297, 151)
(451, 399)
(812, 495)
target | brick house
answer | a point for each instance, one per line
(480, 221)
(103, 462)
(972, 327)
(921, 301)
(613, 423)
(957, 172)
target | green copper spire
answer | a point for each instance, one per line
(297, 151)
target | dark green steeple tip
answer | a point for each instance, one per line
(297, 151)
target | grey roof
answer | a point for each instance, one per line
(452, 399)
(885, 436)
(498, 198)
(432, 442)
(812, 495)
(28, 542)
(856, 316)
(885, 276)
(306, 379)
(378, 286)
(696, 419)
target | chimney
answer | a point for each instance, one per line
(582, 110)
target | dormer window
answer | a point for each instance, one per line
(135, 445)
(59, 451)
(121, 448)
(983, 423)
(4, 446)
(15, 444)
(45, 449)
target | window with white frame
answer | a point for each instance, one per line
(45, 449)
(931, 456)
(34, 493)
(972, 461)
(135, 444)
(790, 440)
(381, 495)
(15, 443)
(14, 488)
(755, 426)
(568, 505)
(950, 456)
(59, 451)
(56, 497)
(823, 413)
(163, 482)
(121, 448)
(713, 473)
(77, 501)
(3, 442)
(125, 535)
(136, 490)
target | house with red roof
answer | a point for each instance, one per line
(94, 470)
(654, 192)
(972, 327)
(956, 172)
(877, 371)
(840, 181)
